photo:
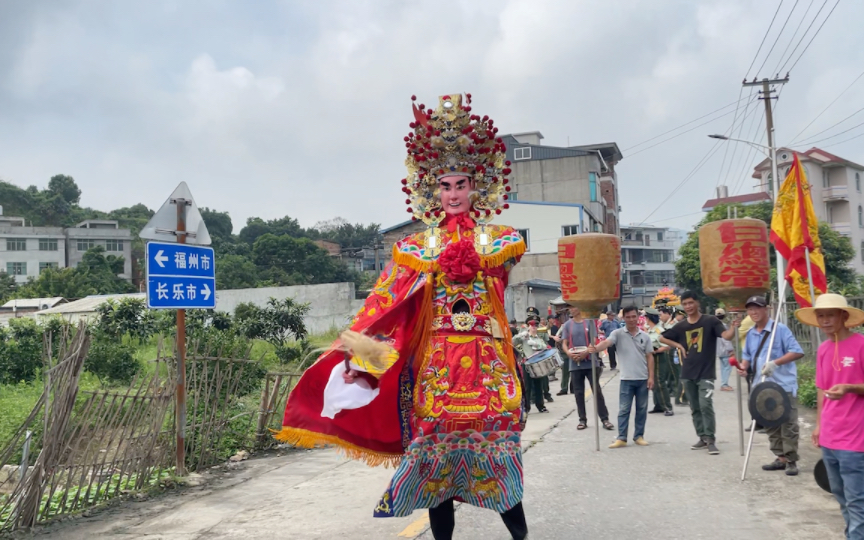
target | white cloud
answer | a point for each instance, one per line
(299, 108)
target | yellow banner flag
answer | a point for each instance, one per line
(795, 229)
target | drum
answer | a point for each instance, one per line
(543, 363)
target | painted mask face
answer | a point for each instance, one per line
(456, 194)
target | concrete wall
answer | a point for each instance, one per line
(536, 266)
(556, 180)
(32, 256)
(99, 237)
(518, 298)
(331, 305)
(544, 223)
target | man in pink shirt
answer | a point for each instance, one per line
(840, 404)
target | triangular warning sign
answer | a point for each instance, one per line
(162, 225)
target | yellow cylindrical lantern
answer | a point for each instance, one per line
(734, 260)
(590, 269)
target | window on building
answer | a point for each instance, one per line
(513, 196)
(826, 181)
(526, 237)
(860, 216)
(568, 230)
(770, 180)
(47, 244)
(16, 268)
(45, 265)
(522, 153)
(16, 244)
(659, 236)
(113, 245)
(84, 245)
(858, 182)
(592, 183)
(862, 251)
(637, 278)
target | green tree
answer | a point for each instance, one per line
(837, 250)
(347, 235)
(257, 227)
(280, 322)
(7, 286)
(219, 224)
(65, 187)
(283, 260)
(235, 272)
(95, 274)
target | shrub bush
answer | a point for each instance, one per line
(112, 361)
(20, 351)
(807, 382)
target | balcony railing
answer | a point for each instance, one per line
(835, 193)
(647, 243)
(843, 227)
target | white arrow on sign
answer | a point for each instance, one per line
(205, 292)
(160, 258)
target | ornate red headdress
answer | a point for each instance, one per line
(452, 141)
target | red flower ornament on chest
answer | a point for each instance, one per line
(460, 261)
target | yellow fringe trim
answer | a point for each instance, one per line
(411, 261)
(309, 439)
(510, 251)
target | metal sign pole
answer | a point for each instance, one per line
(181, 356)
(738, 393)
(595, 389)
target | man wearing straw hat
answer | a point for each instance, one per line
(777, 365)
(840, 404)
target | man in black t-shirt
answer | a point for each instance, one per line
(696, 340)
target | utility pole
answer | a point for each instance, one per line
(769, 126)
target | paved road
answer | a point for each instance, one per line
(663, 491)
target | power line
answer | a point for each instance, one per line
(777, 69)
(777, 39)
(844, 140)
(832, 136)
(702, 162)
(679, 134)
(763, 40)
(826, 108)
(814, 35)
(804, 140)
(747, 112)
(683, 125)
(734, 119)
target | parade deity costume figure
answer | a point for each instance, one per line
(445, 405)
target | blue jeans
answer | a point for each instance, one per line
(846, 475)
(725, 370)
(627, 392)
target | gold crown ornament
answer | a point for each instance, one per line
(451, 141)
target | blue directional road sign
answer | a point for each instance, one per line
(180, 276)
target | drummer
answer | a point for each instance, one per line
(777, 365)
(528, 343)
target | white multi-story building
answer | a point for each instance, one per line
(648, 256)
(26, 251)
(836, 191)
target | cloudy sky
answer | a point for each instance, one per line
(274, 108)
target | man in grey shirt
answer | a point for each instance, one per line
(574, 333)
(636, 362)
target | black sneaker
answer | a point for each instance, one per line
(701, 445)
(712, 449)
(562, 393)
(548, 397)
(791, 469)
(775, 465)
(655, 411)
(669, 413)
